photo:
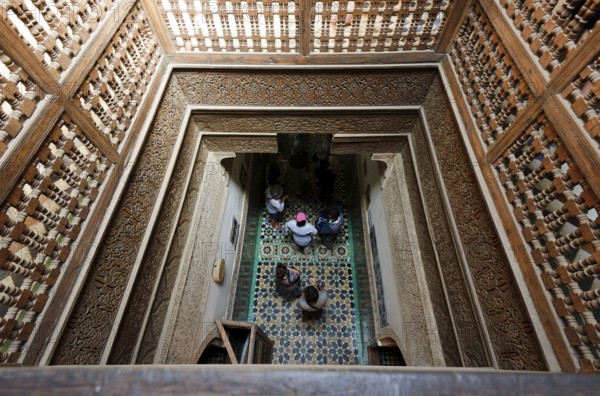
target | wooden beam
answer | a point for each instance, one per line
(305, 28)
(312, 59)
(225, 339)
(568, 71)
(23, 55)
(281, 380)
(454, 21)
(158, 26)
(515, 130)
(517, 244)
(24, 147)
(91, 132)
(532, 72)
(581, 146)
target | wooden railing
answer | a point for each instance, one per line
(526, 78)
(60, 147)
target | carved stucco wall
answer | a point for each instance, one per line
(150, 271)
(511, 332)
(425, 248)
(160, 305)
(91, 321)
(466, 321)
(420, 342)
(184, 329)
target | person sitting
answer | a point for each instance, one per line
(275, 203)
(312, 301)
(329, 225)
(287, 281)
(302, 232)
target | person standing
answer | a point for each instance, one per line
(312, 301)
(329, 225)
(302, 232)
(275, 203)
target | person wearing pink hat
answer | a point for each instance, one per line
(302, 232)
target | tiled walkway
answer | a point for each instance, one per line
(335, 339)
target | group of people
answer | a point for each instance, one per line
(311, 299)
(330, 220)
(328, 226)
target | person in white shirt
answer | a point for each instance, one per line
(275, 203)
(302, 232)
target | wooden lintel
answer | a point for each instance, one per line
(516, 242)
(72, 78)
(158, 26)
(210, 58)
(305, 28)
(532, 72)
(454, 21)
(25, 146)
(581, 146)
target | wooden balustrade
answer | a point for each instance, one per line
(553, 29)
(233, 26)
(40, 222)
(493, 85)
(19, 97)
(55, 32)
(112, 91)
(558, 215)
(365, 26)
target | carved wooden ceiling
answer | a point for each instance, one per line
(289, 26)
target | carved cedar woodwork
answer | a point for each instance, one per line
(445, 264)
(233, 26)
(369, 26)
(554, 30)
(159, 246)
(320, 88)
(19, 97)
(40, 222)
(114, 88)
(558, 215)
(495, 90)
(91, 320)
(584, 97)
(307, 123)
(510, 329)
(55, 32)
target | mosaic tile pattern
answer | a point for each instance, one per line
(335, 338)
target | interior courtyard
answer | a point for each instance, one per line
(458, 139)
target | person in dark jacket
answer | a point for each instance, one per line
(329, 225)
